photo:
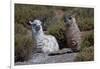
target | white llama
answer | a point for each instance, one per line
(47, 43)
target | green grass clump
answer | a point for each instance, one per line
(20, 29)
(88, 40)
(87, 54)
(23, 43)
(87, 49)
(58, 30)
(23, 47)
(85, 23)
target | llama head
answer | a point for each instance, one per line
(68, 20)
(36, 25)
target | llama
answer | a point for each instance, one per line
(46, 43)
(72, 33)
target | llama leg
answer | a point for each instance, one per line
(75, 46)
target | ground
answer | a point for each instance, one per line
(40, 58)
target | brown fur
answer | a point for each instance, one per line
(72, 33)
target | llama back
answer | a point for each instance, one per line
(51, 43)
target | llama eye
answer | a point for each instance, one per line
(69, 18)
(34, 25)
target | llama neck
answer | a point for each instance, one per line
(38, 35)
(75, 25)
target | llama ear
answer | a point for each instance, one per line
(30, 22)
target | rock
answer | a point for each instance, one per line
(41, 58)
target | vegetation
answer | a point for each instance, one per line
(87, 54)
(88, 40)
(87, 48)
(24, 43)
(58, 30)
(23, 48)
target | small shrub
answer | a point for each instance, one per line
(88, 40)
(24, 44)
(87, 49)
(87, 54)
(23, 47)
(57, 30)
(85, 23)
(20, 29)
